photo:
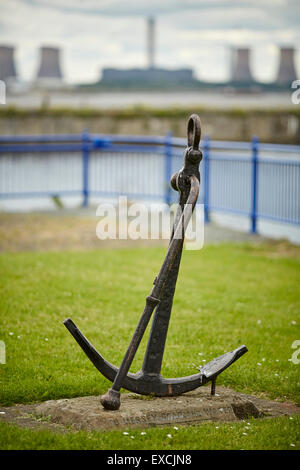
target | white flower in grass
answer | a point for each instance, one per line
(132, 437)
(292, 445)
(46, 339)
(169, 435)
(259, 364)
(10, 333)
(176, 428)
(125, 433)
(143, 433)
(276, 375)
(245, 434)
(258, 322)
(293, 322)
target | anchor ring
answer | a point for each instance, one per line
(194, 131)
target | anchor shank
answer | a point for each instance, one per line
(159, 329)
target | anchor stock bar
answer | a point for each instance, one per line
(160, 300)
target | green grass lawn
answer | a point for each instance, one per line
(253, 434)
(227, 295)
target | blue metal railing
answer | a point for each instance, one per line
(244, 178)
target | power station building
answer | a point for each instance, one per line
(49, 70)
(49, 73)
(148, 77)
(151, 75)
(7, 63)
(286, 69)
(240, 66)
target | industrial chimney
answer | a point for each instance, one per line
(240, 66)
(7, 65)
(49, 68)
(286, 70)
(150, 42)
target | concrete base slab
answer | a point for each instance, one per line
(137, 411)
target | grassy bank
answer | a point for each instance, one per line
(227, 295)
(278, 433)
(142, 111)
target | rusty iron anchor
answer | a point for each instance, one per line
(149, 380)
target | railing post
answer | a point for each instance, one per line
(85, 168)
(168, 166)
(206, 148)
(254, 188)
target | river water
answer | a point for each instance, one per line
(123, 99)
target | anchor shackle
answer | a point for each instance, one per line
(192, 156)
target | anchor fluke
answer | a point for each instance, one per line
(216, 366)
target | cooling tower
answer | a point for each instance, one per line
(240, 66)
(150, 42)
(7, 65)
(49, 64)
(286, 70)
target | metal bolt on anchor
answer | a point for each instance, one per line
(149, 380)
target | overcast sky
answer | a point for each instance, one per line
(194, 33)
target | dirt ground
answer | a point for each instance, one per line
(76, 231)
(56, 232)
